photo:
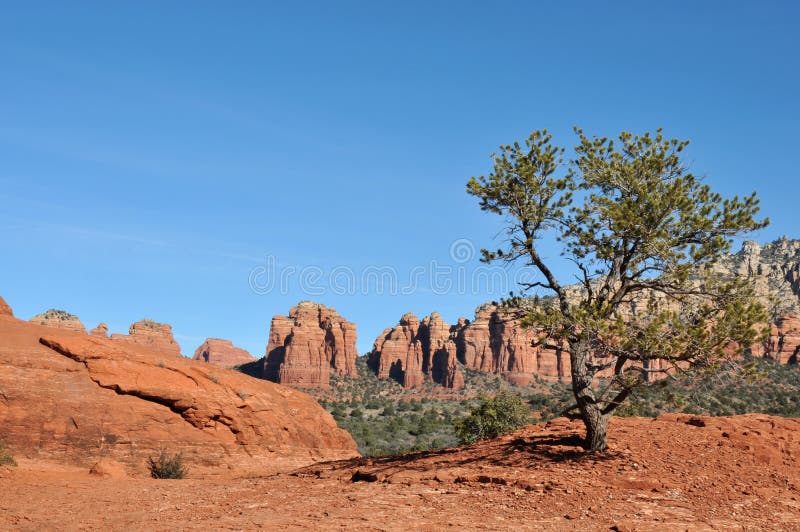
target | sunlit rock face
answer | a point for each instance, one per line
(308, 345)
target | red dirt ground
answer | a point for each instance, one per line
(670, 473)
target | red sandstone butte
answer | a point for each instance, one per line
(413, 351)
(305, 347)
(222, 353)
(153, 334)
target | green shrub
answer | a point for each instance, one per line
(167, 465)
(502, 414)
(5, 456)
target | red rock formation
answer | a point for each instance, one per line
(222, 353)
(495, 342)
(307, 345)
(397, 353)
(413, 350)
(59, 319)
(5, 310)
(100, 330)
(74, 398)
(783, 344)
(152, 334)
(438, 341)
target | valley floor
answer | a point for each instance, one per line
(672, 472)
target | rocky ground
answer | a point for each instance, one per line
(675, 472)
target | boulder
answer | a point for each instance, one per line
(107, 468)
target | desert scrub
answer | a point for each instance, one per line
(167, 465)
(5, 456)
(502, 414)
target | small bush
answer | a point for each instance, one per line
(502, 414)
(5, 457)
(167, 465)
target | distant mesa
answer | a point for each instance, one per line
(59, 319)
(308, 345)
(415, 351)
(5, 310)
(222, 353)
(151, 334)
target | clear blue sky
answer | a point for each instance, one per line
(155, 155)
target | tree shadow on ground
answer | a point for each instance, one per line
(512, 452)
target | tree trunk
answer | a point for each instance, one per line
(596, 431)
(593, 418)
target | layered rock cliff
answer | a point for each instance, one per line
(222, 353)
(59, 319)
(308, 344)
(415, 351)
(151, 334)
(73, 398)
(495, 342)
(774, 270)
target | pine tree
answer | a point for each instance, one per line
(643, 234)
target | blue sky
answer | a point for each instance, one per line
(157, 156)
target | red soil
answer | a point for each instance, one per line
(671, 473)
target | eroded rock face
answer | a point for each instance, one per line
(305, 347)
(774, 270)
(5, 310)
(59, 319)
(222, 353)
(495, 342)
(74, 398)
(152, 334)
(413, 350)
(783, 344)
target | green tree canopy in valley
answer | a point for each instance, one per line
(643, 234)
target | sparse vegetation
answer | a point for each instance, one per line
(5, 455)
(167, 466)
(385, 419)
(502, 414)
(760, 386)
